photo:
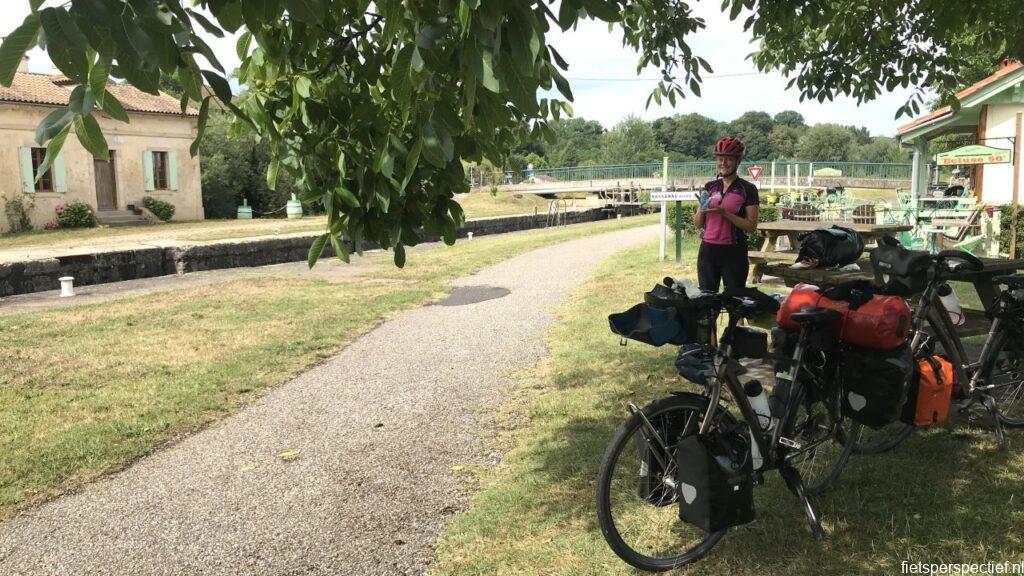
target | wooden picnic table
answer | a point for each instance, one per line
(792, 229)
(984, 284)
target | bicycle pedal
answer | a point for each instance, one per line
(790, 443)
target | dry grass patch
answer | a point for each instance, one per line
(86, 390)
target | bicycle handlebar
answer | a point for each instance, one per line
(972, 262)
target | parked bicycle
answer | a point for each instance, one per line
(680, 471)
(993, 384)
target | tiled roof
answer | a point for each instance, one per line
(46, 89)
(1008, 68)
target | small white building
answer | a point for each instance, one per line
(992, 110)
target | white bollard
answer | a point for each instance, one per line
(470, 235)
(618, 216)
(67, 286)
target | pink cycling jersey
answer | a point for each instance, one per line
(717, 229)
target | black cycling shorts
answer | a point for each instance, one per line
(722, 263)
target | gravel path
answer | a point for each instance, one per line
(345, 470)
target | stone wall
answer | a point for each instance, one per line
(98, 268)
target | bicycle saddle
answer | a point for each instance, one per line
(815, 315)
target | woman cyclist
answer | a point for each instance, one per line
(727, 212)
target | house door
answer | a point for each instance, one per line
(106, 188)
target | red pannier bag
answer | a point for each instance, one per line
(881, 323)
(930, 392)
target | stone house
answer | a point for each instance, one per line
(149, 156)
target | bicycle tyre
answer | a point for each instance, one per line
(802, 425)
(1010, 398)
(621, 443)
(883, 439)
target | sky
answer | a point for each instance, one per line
(602, 73)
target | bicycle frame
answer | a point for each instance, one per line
(725, 374)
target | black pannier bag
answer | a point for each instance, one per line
(832, 247)
(651, 487)
(654, 326)
(898, 271)
(715, 479)
(875, 383)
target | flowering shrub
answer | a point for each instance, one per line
(75, 215)
(159, 208)
(51, 225)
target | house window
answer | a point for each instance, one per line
(44, 184)
(160, 171)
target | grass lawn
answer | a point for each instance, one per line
(482, 204)
(477, 205)
(946, 495)
(86, 390)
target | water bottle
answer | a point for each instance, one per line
(952, 304)
(759, 402)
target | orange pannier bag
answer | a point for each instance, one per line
(930, 391)
(881, 323)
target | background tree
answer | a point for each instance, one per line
(783, 139)
(374, 109)
(576, 140)
(790, 118)
(631, 141)
(688, 137)
(827, 142)
(753, 129)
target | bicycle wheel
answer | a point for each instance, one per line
(877, 441)
(822, 445)
(649, 536)
(1003, 373)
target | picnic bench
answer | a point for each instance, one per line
(792, 229)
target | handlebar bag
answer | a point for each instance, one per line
(715, 478)
(874, 383)
(931, 389)
(831, 247)
(880, 322)
(899, 271)
(654, 326)
(689, 312)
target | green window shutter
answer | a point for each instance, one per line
(147, 170)
(28, 178)
(172, 170)
(60, 174)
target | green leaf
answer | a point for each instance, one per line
(219, 86)
(437, 144)
(91, 137)
(340, 250)
(98, 76)
(272, 170)
(12, 51)
(191, 80)
(607, 11)
(317, 249)
(65, 43)
(113, 107)
(411, 162)
(561, 83)
(205, 23)
(53, 124)
(134, 40)
(394, 13)
(204, 114)
(52, 150)
(206, 51)
(308, 11)
(243, 44)
(302, 85)
(400, 256)
(81, 101)
(487, 77)
(348, 197)
(401, 86)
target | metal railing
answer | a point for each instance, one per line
(894, 172)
